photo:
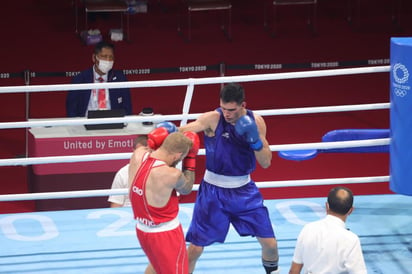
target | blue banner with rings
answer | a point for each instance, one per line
(400, 116)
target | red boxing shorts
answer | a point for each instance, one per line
(165, 250)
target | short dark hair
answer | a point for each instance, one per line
(102, 44)
(140, 140)
(232, 92)
(340, 200)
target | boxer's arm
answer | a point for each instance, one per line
(163, 180)
(174, 178)
(295, 268)
(185, 183)
(206, 121)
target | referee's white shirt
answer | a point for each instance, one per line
(121, 180)
(326, 246)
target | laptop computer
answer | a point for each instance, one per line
(109, 113)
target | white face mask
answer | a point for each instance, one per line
(104, 66)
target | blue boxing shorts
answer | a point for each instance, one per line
(216, 208)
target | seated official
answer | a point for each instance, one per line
(78, 102)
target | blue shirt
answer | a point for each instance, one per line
(227, 152)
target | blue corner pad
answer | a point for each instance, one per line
(356, 134)
(341, 135)
(298, 155)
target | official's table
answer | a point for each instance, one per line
(91, 175)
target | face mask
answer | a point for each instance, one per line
(104, 66)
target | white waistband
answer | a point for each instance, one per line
(170, 225)
(226, 181)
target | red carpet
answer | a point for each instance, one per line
(39, 36)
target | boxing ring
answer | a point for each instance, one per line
(103, 240)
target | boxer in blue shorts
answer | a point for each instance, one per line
(234, 139)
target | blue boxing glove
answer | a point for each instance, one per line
(245, 126)
(167, 125)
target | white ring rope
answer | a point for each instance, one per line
(124, 191)
(184, 117)
(174, 117)
(127, 155)
(197, 81)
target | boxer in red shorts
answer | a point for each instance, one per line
(154, 182)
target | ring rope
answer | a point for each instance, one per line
(190, 83)
(127, 155)
(125, 191)
(197, 81)
(175, 117)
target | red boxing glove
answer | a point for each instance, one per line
(156, 137)
(189, 163)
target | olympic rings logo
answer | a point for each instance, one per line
(400, 92)
(403, 71)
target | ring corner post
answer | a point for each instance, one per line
(400, 115)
